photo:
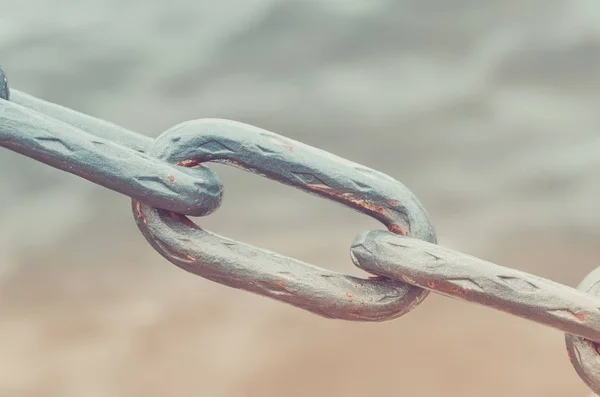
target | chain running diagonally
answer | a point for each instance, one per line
(167, 180)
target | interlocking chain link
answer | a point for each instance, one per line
(465, 277)
(584, 353)
(304, 167)
(167, 180)
(108, 163)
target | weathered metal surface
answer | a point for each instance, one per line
(100, 128)
(107, 163)
(457, 275)
(167, 180)
(262, 272)
(585, 353)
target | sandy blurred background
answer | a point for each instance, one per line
(487, 110)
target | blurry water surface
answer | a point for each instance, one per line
(487, 110)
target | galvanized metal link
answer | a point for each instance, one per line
(99, 128)
(105, 154)
(585, 353)
(166, 180)
(263, 272)
(460, 276)
(451, 273)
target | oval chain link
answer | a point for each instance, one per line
(158, 176)
(585, 353)
(91, 151)
(262, 272)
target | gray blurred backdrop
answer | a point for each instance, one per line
(487, 110)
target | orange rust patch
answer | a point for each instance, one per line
(350, 199)
(431, 284)
(140, 215)
(171, 178)
(280, 283)
(188, 163)
(237, 164)
(398, 229)
(458, 291)
(289, 147)
(408, 279)
(579, 316)
(450, 289)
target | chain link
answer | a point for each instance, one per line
(304, 167)
(166, 180)
(92, 153)
(471, 279)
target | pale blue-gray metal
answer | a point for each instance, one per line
(100, 128)
(103, 153)
(266, 273)
(465, 277)
(166, 180)
(585, 353)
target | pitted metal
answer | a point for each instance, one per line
(105, 162)
(167, 179)
(460, 276)
(306, 168)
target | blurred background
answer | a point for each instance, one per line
(487, 110)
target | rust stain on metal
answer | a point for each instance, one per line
(350, 198)
(140, 215)
(408, 279)
(281, 284)
(174, 215)
(182, 219)
(171, 178)
(237, 164)
(398, 229)
(579, 316)
(289, 147)
(188, 163)
(450, 289)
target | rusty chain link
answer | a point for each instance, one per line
(167, 180)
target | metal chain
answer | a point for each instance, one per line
(166, 180)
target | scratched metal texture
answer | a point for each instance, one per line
(486, 110)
